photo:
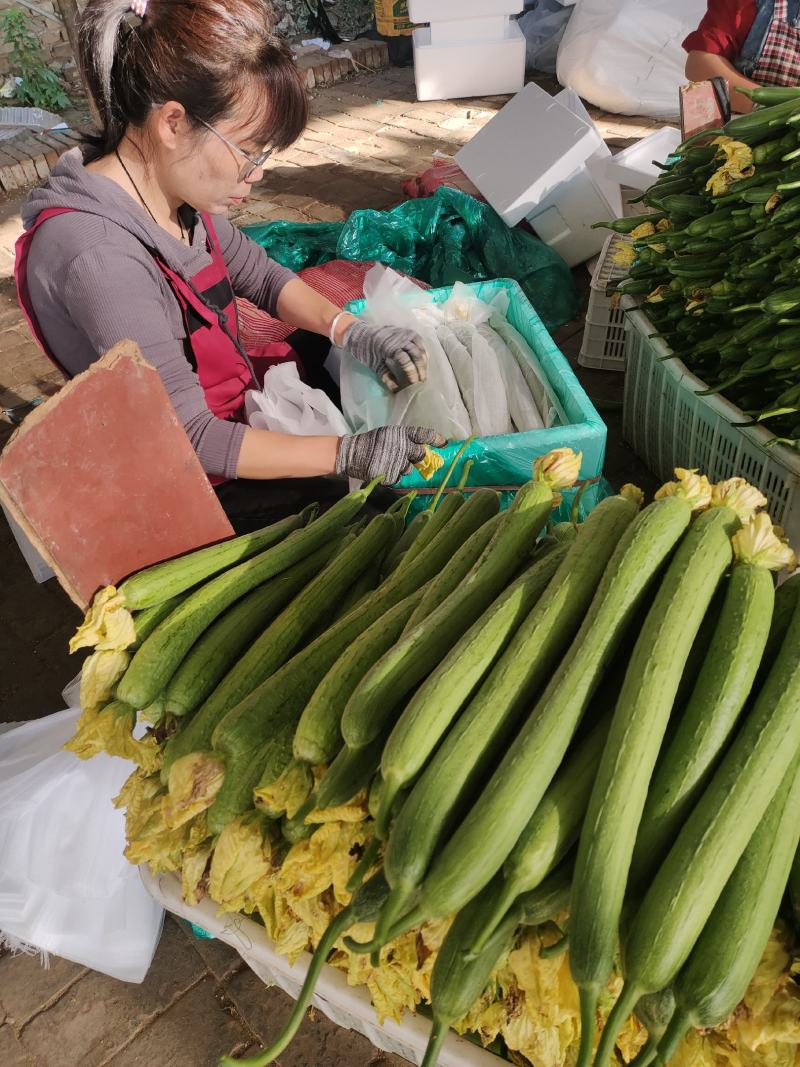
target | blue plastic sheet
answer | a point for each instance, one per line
(441, 239)
(505, 461)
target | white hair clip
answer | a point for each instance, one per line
(139, 8)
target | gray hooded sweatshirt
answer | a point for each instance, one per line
(93, 283)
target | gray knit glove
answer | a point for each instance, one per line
(389, 451)
(396, 355)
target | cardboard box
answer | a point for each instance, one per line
(103, 480)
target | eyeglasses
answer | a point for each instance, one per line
(253, 163)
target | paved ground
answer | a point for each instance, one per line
(198, 1001)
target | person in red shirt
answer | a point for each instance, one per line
(747, 42)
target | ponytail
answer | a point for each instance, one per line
(208, 55)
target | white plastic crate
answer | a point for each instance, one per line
(668, 425)
(603, 346)
(345, 1005)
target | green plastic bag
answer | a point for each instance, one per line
(440, 239)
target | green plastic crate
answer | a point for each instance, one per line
(505, 461)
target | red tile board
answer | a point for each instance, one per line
(103, 479)
(699, 108)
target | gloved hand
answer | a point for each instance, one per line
(390, 451)
(396, 355)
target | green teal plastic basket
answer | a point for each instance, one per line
(505, 461)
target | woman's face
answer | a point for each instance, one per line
(205, 167)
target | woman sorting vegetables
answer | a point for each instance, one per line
(128, 238)
(747, 42)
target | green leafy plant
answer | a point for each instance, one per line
(41, 85)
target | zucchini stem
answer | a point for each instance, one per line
(626, 1002)
(589, 996)
(448, 474)
(678, 1027)
(549, 952)
(332, 934)
(363, 865)
(435, 1042)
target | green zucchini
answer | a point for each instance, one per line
(451, 576)
(146, 620)
(691, 879)
(309, 607)
(154, 664)
(427, 717)
(707, 723)
(236, 792)
(724, 959)
(352, 770)
(363, 908)
(458, 979)
(162, 581)
(373, 705)
(407, 538)
(294, 684)
(318, 736)
(226, 639)
(439, 519)
(786, 598)
(637, 729)
(553, 828)
(477, 849)
(486, 726)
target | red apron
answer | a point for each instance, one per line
(224, 369)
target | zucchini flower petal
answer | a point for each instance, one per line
(241, 858)
(108, 623)
(690, 486)
(559, 469)
(740, 496)
(633, 493)
(193, 873)
(430, 463)
(644, 229)
(194, 781)
(287, 794)
(758, 543)
(100, 674)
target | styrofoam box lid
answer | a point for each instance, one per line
(527, 149)
(634, 166)
(442, 10)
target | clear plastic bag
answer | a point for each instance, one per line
(474, 378)
(436, 402)
(288, 405)
(65, 885)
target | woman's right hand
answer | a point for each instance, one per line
(388, 452)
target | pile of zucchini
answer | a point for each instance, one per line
(605, 718)
(716, 264)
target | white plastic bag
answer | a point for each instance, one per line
(288, 405)
(625, 55)
(65, 885)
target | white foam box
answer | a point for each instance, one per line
(469, 68)
(541, 159)
(635, 167)
(458, 21)
(452, 10)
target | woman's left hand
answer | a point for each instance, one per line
(398, 356)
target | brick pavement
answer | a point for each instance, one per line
(198, 1001)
